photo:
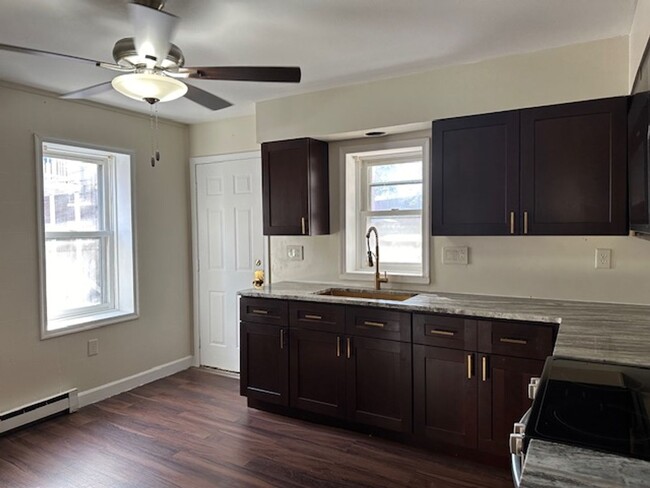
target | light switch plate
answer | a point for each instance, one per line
(455, 255)
(603, 258)
(295, 253)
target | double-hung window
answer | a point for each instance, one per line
(387, 189)
(87, 246)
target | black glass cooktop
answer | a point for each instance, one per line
(594, 405)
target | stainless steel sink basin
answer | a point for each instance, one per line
(395, 296)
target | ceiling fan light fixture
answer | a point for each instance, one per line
(141, 86)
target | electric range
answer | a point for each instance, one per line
(599, 406)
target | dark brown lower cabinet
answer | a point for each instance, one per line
(378, 375)
(470, 399)
(264, 363)
(502, 398)
(444, 395)
(317, 372)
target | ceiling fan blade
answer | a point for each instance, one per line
(88, 91)
(207, 99)
(154, 30)
(40, 52)
(246, 73)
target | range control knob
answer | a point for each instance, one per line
(532, 388)
(516, 444)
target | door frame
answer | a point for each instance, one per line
(194, 164)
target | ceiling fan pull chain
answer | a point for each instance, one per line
(151, 140)
(157, 135)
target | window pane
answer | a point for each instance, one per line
(396, 197)
(75, 186)
(74, 274)
(400, 238)
(389, 173)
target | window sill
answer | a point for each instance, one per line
(392, 277)
(67, 326)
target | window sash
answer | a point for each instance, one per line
(106, 234)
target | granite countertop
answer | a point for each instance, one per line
(592, 331)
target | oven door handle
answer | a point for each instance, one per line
(516, 449)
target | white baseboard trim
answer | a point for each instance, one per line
(113, 388)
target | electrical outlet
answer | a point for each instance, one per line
(603, 258)
(295, 253)
(455, 255)
(93, 347)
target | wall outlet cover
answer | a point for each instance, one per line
(93, 347)
(455, 255)
(603, 258)
(295, 253)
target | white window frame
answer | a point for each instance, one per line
(355, 209)
(119, 267)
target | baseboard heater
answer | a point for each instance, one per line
(67, 401)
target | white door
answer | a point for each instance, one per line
(230, 248)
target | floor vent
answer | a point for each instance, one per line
(63, 402)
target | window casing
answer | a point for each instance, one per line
(386, 186)
(87, 258)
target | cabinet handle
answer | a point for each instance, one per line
(281, 338)
(313, 317)
(373, 324)
(302, 225)
(484, 368)
(469, 367)
(512, 222)
(525, 222)
(338, 347)
(510, 340)
(349, 351)
(448, 333)
(260, 312)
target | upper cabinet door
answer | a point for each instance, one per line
(475, 175)
(295, 185)
(573, 168)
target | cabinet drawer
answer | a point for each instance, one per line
(378, 323)
(263, 311)
(519, 339)
(442, 331)
(317, 316)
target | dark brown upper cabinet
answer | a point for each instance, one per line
(295, 182)
(556, 170)
(475, 174)
(574, 168)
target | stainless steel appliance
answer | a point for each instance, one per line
(598, 406)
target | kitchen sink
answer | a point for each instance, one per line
(395, 296)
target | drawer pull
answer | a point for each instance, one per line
(338, 347)
(281, 338)
(469, 367)
(509, 340)
(373, 324)
(313, 317)
(260, 312)
(448, 333)
(484, 368)
(349, 348)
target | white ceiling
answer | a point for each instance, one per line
(335, 42)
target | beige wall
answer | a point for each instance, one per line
(577, 72)
(31, 369)
(639, 37)
(542, 267)
(223, 137)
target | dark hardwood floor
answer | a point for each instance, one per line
(194, 430)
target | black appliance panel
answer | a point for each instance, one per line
(594, 405)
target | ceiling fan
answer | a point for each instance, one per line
(153, 68)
